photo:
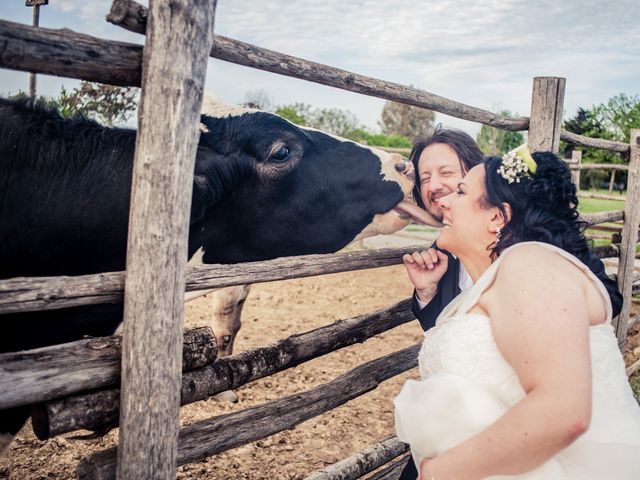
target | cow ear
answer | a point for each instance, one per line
(202, 198)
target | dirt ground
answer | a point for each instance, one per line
(274, 311)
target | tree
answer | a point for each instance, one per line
(612, 120)
(334, 120)
(331, 120)
(298, 113)
(493, 141)
(406, 120)
(619, 115)
(258, 99)
(107, 104)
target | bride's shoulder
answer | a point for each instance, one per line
(534, 261)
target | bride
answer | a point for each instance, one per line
(522, 377)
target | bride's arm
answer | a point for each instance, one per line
(540, 323)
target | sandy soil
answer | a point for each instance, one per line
(274, 311)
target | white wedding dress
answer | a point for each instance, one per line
(467, 385)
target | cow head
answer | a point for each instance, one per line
(287, 190)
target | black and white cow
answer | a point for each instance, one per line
(262, 188)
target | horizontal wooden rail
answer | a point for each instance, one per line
(53, 372)
(99, 410)
(363, 462)
(393, 470)
(600, 166)
(47, 293)
(69, 54)
(209, 437)
(133, 16)
(576, 139)
(23, 294)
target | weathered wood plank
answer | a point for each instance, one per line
(48, 293)
(208, 437)
(363, 462)
(393, 470)
(179, 37)
(603, 166)
(546, 114)
(132, 16)
(576, 139)
(629, 238)
(53, 372)
(99, 410)
(69, 54)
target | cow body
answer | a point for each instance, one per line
(263, 188)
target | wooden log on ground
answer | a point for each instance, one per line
(576, 139)
(60, 370)
(363, 462)
(99, 410)
(48, 293)
(393, 471)
(69, 54)
(132, 16)
(203, 439)
(626, 265)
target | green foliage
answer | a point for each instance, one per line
(296, 113)
(406, 120)
(612, 120)
(493, 141)
(379, 139)
(107, 104)
(338, 122)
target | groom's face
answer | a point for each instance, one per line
(440, 170)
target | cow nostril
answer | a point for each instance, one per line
(400, 167)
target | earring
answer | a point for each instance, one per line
(498, 235)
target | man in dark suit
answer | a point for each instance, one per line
(440, 162)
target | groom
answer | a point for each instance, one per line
(440, 162)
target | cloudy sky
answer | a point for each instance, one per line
(484, 52)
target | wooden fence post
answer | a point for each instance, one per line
(546, 114)
(626, 262)
(179, 37)
(576, 160)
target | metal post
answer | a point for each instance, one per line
(36, 21)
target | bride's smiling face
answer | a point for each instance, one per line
(467, 219)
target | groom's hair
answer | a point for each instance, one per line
(465, 147)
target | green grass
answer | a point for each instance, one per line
(596, 205)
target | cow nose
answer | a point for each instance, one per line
(405, 167)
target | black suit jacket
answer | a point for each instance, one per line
(448, 289)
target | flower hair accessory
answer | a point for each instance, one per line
(517, 164)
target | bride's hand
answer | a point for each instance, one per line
(425, 270)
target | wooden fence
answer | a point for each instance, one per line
(173, 63)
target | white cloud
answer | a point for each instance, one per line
(480, 52)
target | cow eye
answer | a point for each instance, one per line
(280, 155)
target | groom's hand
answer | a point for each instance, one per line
(425, 270)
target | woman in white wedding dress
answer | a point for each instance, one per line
(522, 377)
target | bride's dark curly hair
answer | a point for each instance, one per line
(543, 206)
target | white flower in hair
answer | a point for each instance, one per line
(517, 164)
